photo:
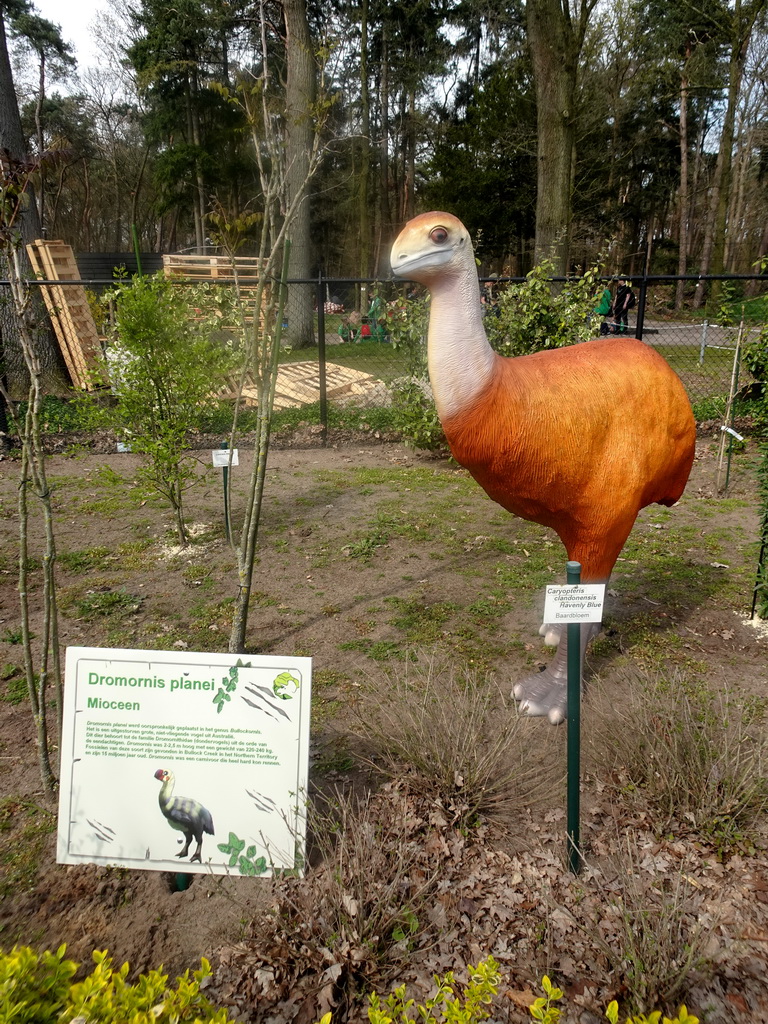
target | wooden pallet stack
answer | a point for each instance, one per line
(221, 269)
(69, 311)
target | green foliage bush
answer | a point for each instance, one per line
(166, 365)
(37, 988)
(536, 315)
(544, 1010)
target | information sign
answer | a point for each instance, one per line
(574, 602)
(221, 457)
(180, 761)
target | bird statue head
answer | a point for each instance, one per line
(431, 245)
(163, 775)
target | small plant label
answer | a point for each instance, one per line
(181, 761)
(574, 602)
(221, 457)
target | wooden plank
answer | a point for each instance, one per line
(54, 302)
(69, 310)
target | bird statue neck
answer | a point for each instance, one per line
(459, 356)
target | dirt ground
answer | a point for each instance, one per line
(368, 549)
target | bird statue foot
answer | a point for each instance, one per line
(183, 853)
(551, 633)
(541, 695)
(545, 694)
(196, 857)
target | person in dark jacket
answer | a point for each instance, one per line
(624, 301)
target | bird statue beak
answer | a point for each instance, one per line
(404, 263)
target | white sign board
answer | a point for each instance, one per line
(221, 456)
(179, 761)
(574, 602)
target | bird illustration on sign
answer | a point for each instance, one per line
(185, 815)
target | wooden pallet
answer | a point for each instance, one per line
(299, 384)
(224, 269)
(69, 310)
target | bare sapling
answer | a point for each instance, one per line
(262, 104)
(33, 482)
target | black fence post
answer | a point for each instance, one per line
(641, 307)
(321, 357)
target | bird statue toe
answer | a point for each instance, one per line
(578, 439)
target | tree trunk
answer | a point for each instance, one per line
(554, 50)
(385, 213)
(742, 20)
(300, 93)
(54, 377)
(682, 204)
(40, 141)
(365, 147)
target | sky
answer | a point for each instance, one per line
(74, 17)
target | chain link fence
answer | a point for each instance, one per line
(354, 361)
(342, 360)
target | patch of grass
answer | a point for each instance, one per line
(85, 560)
(16, 690)
(13, 635)
(367, 546)
(421, 623)
(198, 575)
(107, 603)
(24, 830)
(697, 755)
(377, 650)
(455, 736)
(133, 554)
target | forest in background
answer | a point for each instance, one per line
(632, 131)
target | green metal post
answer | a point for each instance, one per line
(573, 575)
(227, 526)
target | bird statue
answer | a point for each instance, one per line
(578, 439)
(185, 815)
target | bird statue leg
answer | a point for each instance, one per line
(546, 693)
(196, 855)
(185, 850)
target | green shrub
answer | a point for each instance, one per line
(447, 1004)
(542, 1009)
(166, 365)
(536, 315)
(37, 988)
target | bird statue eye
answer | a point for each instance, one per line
(438, 235)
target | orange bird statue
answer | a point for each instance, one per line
(578, 438)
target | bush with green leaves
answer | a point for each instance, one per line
(166, 365)
(38, 988)
(467, 1004)
(537, 314)
(544, 1010)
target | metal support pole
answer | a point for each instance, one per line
(225, 473)
(321, 357)
(573, 575)
(703, 343)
